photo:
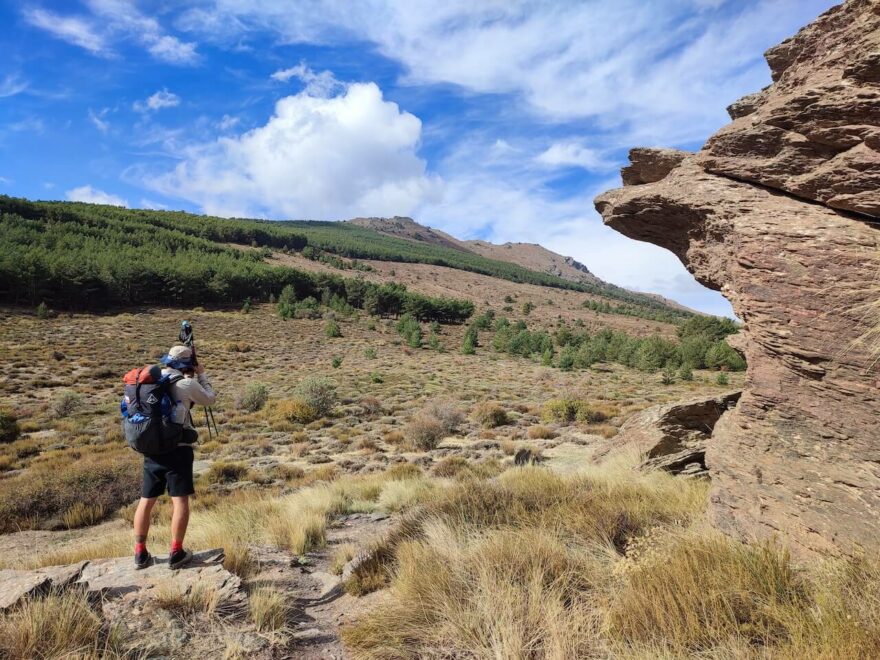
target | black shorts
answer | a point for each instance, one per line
(173, 471)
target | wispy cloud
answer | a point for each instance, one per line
(158, 101)
(98, 120)
(323, 84)
(75, 30)
(11, 85)
(94, 196)
(109, 22)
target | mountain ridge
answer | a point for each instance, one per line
(532, 256)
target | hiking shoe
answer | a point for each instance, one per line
(179, 558)
(142, 560)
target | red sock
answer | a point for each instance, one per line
(176, 545)
(140, 547)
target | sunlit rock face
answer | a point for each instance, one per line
(780, 211)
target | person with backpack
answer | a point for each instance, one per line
(158, 423)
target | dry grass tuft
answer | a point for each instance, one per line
(56, 626)
(199, 598)
(539, 432)
(225, 472)
(83, 515)
(342, 555)
(268, 609)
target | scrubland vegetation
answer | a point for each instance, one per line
(482, 558)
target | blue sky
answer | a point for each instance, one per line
(493, 119)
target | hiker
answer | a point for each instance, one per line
(173, 470)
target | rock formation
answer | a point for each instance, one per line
(779, 212)
(672, 436)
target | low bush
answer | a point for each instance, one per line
(46, 492)
(9, 428)
(319, 393)
(253, 397)
(332, 329)
(567, 410)
(296, 410)
(431, 424)
(225, 472)
(371, 406)
(66, 403)
(489, 414)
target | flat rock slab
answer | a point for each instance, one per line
(115, 578)
(15, 585)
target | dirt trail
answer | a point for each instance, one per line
(319, 603)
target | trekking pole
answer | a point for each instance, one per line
(187, 338)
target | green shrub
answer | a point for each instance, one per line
(722, 379)
(470, 343)
(253, 397)
(9, 429)
(564, 411)
(685, 373)
(668, 377)
(336, 362)
(319, 393)
(43, 311)
(527, 308)
(370, 353)
(332, 329)
(376, 377)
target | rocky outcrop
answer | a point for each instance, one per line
(672, 436)
(776, 212)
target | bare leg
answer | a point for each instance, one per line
(142, 519)
(179, 517)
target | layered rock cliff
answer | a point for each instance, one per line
(779, 212)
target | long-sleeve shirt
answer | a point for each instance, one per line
(189, 392)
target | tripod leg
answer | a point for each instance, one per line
(208, 424)
(213, 421)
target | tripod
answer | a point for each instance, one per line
(187, 338)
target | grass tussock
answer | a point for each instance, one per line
(268, 609)
(602, 564)
(56, 626)
(186, 602)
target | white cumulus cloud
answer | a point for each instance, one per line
(330, 158)
(94, 196)
(161, 99)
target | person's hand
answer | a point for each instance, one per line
(199, 369)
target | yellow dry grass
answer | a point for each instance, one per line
(605, 563)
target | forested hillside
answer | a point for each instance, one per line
(85, 256)
(75, 255)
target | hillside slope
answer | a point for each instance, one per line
(531, 256)
(94, 256)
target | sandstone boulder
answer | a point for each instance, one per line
(672, 436)
(775, 213)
